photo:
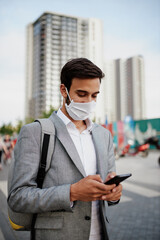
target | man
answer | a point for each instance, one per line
(72, 203)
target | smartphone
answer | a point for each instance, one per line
(118, 178)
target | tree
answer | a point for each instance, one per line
(46, 114)
(29, 120)
(7, 129)
(10, 129)
(20, 123)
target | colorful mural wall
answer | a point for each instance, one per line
(134, 132)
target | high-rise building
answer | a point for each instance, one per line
(125, 89)
(52, 40)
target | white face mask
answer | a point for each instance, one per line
(79, 111)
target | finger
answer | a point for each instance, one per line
(107, 197)
(96, 177)
(110, 175)
(116, 197)
(105, 188)
(112, 197)
(117, 188)
(115, 192)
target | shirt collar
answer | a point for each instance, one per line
(67, 121)
(63, 117)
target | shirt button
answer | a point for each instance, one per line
(87, 218)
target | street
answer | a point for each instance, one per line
(136, 217)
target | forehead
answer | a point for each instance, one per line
(85, 84)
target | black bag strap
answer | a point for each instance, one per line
(40, 176)
(43, 161)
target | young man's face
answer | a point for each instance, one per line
(84, 90)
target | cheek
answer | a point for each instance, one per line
(82, 99)
(76, 98)
(94, 99)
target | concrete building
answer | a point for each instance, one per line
(125, 89)
(52, 40)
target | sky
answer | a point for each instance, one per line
(131, 27)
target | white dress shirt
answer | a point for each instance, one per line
(85, 148)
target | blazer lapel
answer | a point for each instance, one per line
(64, 137)
(100, 149)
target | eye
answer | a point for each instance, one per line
(81, 94)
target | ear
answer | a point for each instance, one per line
(63, 90)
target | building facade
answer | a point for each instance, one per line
(52, 40)
(125, 89)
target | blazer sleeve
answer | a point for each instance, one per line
(112, 167)
(24, 196)
(111, 156)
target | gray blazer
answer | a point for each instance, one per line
(56, 219)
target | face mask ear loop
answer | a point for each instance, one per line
(68, 94)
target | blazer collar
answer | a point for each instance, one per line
(64, 137)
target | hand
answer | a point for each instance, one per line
(115, 193)
(90, 188)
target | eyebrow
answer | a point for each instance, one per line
(83, 91)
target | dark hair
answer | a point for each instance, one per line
(79, 68)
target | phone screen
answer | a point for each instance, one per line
(118, 178)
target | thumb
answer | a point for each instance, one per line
(110, 175)
(96, 177)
